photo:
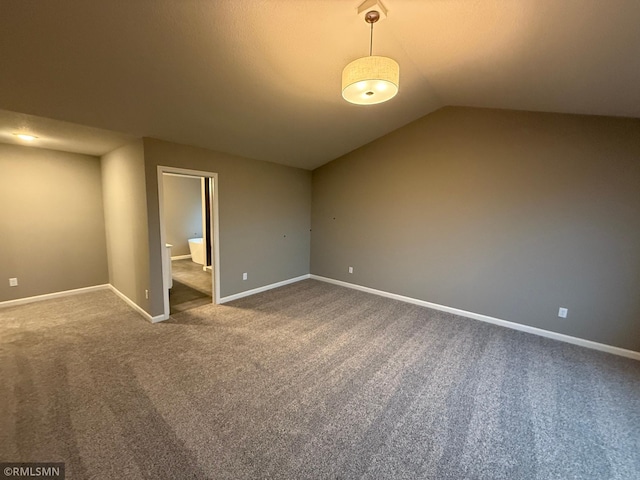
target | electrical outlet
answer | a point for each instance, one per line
(562, 312)
(350, 269)
(244, 276)
(146, 294)
(13, 282)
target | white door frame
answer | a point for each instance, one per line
(214, 233)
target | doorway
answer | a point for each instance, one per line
(189, 236)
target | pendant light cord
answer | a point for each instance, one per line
(371, 41)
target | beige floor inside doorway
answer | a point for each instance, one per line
(191, 286)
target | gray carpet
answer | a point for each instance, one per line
(308, 381)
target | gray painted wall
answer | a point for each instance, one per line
(125, 210)
(264, 216)
(507, 214)
(52, 235)
(182, 210)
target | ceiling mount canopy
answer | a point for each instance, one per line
(373, 79)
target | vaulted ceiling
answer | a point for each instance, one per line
(262, 78)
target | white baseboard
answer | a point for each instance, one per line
(181, 257)
(136, 307)
(49, 296)
(78, 291)
(247, 293)
(495, 321)
(159, 318)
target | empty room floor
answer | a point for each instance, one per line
(307, 381)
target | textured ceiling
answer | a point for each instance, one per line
(262, 78)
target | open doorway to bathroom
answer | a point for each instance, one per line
(189, 234)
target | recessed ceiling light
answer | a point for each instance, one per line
(25, 136)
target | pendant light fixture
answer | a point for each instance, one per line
(372, 79)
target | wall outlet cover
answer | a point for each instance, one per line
(562, 312)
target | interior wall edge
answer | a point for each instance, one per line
(135, 306)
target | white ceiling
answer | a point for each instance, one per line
(261, 78)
